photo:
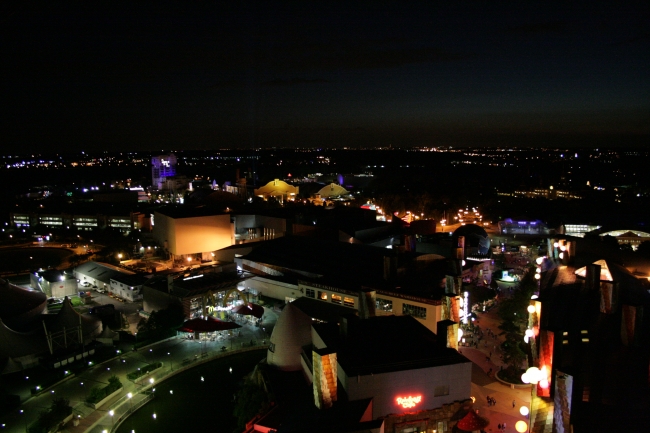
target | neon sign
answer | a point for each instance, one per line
(409, 402)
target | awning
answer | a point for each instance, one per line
(472, 422)
(249, 309)
(207, 325)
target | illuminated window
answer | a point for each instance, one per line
(414, 310)
(336, 299)
(348, 302)
(384, 305)
(322, 295)
(441, 390)
(310, 293)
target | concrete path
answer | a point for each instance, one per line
(484, 385)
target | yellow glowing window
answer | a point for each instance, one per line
(336, 299)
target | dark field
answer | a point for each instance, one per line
(28, 259)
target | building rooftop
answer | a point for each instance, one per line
(101, 271)
(320, 310)
(131, 280)
(194, 284)
(179, 211)
(384, 344)
(352, 266)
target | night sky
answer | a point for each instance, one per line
(191, 75)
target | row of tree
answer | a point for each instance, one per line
(514, 320)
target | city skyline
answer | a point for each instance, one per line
(206, 76)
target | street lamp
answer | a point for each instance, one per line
(129, 396)
(171, 361)
(112, 413)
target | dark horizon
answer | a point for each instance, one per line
(146, 76)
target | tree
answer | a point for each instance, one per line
(163, 320)
(514, 319)
(644, 249)
(251, 400)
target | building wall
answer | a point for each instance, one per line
(437, 420)
(193, 235)
(61, 289)
(54, 289)
(154, 300)
(385, 388)
(124, 291)
(93, 281)
(433, 312)
(272, 289)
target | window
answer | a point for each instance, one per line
(336, 299)
(272, 347)
(322, 295)
(348, 302)
(439, 391)
(442, 426)
(384, 305)
(310, 293)
(414, 310)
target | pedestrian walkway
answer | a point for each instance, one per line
(486, 358)
(176, 354)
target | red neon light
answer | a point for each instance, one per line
(408, 402)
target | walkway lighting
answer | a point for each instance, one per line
(524, 410)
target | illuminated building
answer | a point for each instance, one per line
(192, 232)
(99, 274)
(201, 292)
(590, 338)
(578, 230)
(345, 363)
(632, 238)
(278, 190)
(387, 281)
(516, 227)
(55, 284)
(162, 167)
(128, 287)
(85, 218)
(547, 193)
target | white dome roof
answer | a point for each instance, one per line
(332, 190)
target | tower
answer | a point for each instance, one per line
(162, 167)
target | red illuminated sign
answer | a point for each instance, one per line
(408, 402)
